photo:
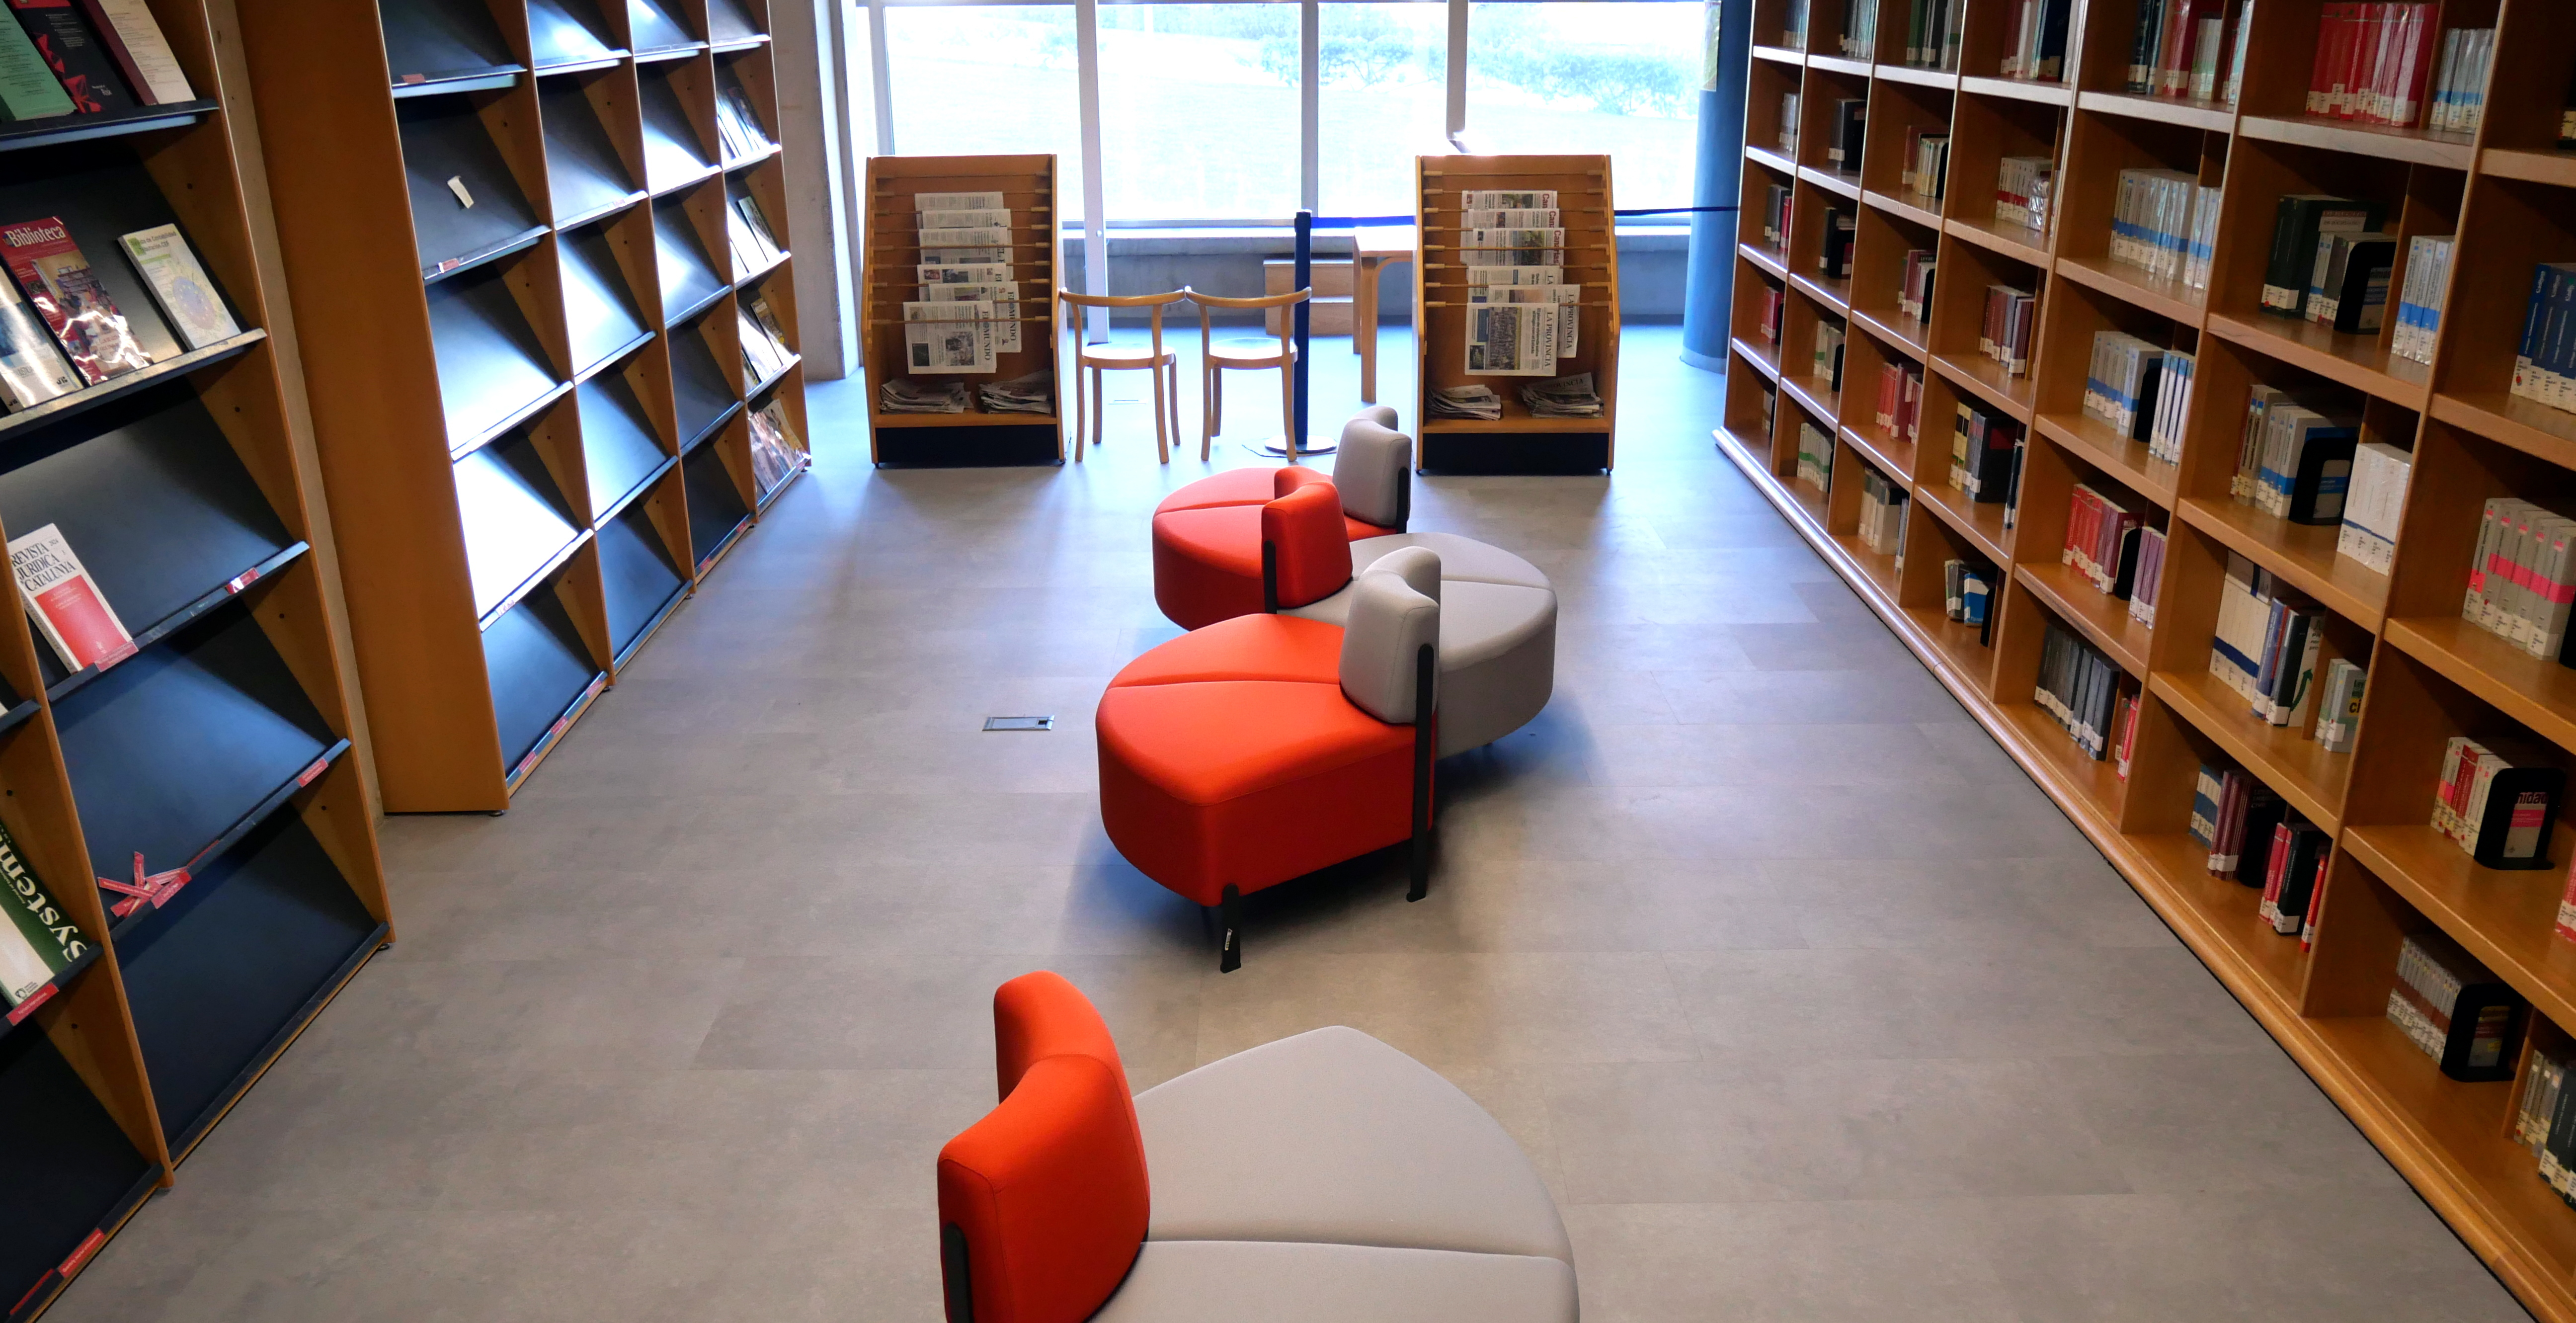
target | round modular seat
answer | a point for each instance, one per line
(1497, 633)
(1207, 535)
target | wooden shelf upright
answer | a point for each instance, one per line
(1515, 442)
(2508, 194)
(212, 758)
(890, 278)
(510, 232)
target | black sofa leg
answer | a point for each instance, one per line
(1229, 922)
(1426, 740)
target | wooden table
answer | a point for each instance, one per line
(1372, 248)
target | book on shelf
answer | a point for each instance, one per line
(738, 125)
(2244, 611)
(1776, 199)
(40, 941)
(2454, 1010)
(2157, 218)
(2371, 506)
(2348, 282)
(1827, 362)
(1833, 255)
(2299, 220)
(134, 40)
(2544, 366)
(2375, 62)
(2011, 320)
(1860, 30)
(1927, 164)
(2285, 678)
(1770, 411)
(1967, 588)
(1884, 507)
(67, 294)
(2174, 374)
(2294, 462)
(1849, 127)
(2421, 295)
(1914, 283)
(2022, 188)
(1789, 124)
(1985, 453)
(2124, 738)
(188, 298)
(32, 371)
(776, 449)
(2188, 48)
(1815, 455)
(2293, 871)
(1775, 303)
(2102, 541)
(1793, 24)
(763, 240)
(2522, 575)
(1900, 400)
(2497, 799)
(2079, 687)
(2339, 705)
(2146, 579)
(28, 88)
(78, 59)
(2035, 40)
(65, 602)
(2537, 1101)
(762, 357)
(2123, 383)
(2458, 101)
(1932, 34)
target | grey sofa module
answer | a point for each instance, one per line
(1497, 634)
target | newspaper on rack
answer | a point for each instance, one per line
(1497, 199)
(956, 201)
(1543, 218)
(1511, 339)
(1006, 308)
(981, 218)
(1494, 284)
(1466, 402)
(1027, 394)
(904, 395)
(1562, 397)
(1513, 247)
(965, 256)
(968, 236)
(973, 273)
(948, 337)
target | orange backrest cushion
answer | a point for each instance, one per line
(1041, 1015)
(1042, 1204)
(1291, 477)
(1304, 530)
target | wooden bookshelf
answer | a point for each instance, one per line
(533, 409)
(2509, 195)
(216, 752)
(889, 277)
(1517, 442)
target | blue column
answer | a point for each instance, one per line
(1711, 291)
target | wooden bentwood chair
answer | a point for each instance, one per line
(1118, 358)
(1241, 353)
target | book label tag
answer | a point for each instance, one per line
(243, 580)
(456, 185)
(306, 777)
(81, 1253)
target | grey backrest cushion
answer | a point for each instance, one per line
(1419, 567)
(1371, 471)
(1388, 627)
(1381, 414)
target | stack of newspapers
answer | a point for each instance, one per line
(969, 309)
(1562, 397)
(904, 395)
(1521, 315)
(1466, 402)
(1027, 394)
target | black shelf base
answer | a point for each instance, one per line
(1545, 453)
(1000, 445)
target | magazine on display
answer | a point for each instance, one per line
(32, 371)
(57, 278)
(186, 295)
(65, 602)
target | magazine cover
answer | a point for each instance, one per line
(30, 371)
(180, 285)
(50, 269)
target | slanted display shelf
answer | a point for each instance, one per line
(518, 281)
(2507, 195)
(146, 791)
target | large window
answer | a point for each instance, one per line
(1200, 103)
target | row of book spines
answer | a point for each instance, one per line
(2036, 48)
(1914, 282)
(2023, 186)
(1850, 130)
(2372, 505)
(2190, 48)
(2165, 222)
(2498, 801)
(1968, 591)
(2080, 687)
(2254, 839)
(2103, 541)
(2544, 366)
(1860, 30)
(2420, 300)
(2522, 577)
(2265, 646)
(110, 56)
(1900, 400)
(1777, 200)
(1884, 509)
(1927, 162)
(2295, 462)
(1986, 457)
(2012, 318)
(1775, 303)
(1828, 361)
(1932, 34)
(1833, 255)
(2125, 385)
(2374, 62)
(2299, 221)
(2465, 1006)
(1815, 455)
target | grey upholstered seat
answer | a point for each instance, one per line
(1215, 1281)
(1497, 634)
(1333, 1136)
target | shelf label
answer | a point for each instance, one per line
(81, 1253)
(597, 683)
(157, 888)
(243, 580)
(305, 777)
(22, 1010)
(415, 78)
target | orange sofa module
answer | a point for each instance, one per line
(1325, 1176)
(1208, 535)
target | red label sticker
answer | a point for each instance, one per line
(178, 877)
(415, 78)
(556, 730)
(88, 1246)
(305, 777)
(244, 580)
(28, 1007)
(597, 683)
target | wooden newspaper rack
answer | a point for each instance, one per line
(1517, 442)
(889, 279)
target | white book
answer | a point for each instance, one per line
(163, 82)
(161, 255)
(65, 602)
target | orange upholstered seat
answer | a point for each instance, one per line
(1043, 1204)
(1208, 535)
(1253, 647)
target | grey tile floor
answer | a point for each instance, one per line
(1806, 1002)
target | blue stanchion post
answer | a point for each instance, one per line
(1305, 270)
(1710, 300)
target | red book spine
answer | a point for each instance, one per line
(2418, 76)
(2318, 82)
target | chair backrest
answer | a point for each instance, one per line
(1207, 332)
(1043, 1203)
(1419, 567)
(1374, 471)
(1073, 303)
(1305, 548)
(1390, 633)
(1381, 414)
(1289, 478)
